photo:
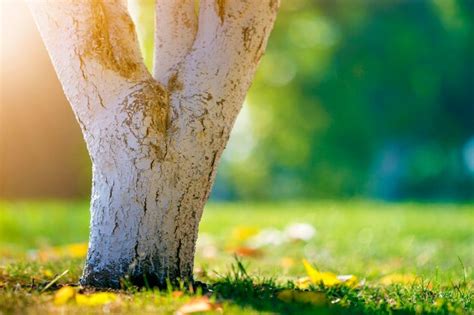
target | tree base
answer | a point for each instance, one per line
(123, 276)
(110, 279)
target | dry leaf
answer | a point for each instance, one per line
(48, 273)
(177, 294)
(95, 299)
(243, 233)
(303, 283)
(312, 273)
(300, 232)
(349, 280)
(202, 304)
(287, 262)
(77, 250)
(267, 237)
(326, 278)
(398, 278)
(285, 296)
(64, 295)
(248, 252)
(316, 298)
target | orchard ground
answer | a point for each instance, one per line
(404, 258)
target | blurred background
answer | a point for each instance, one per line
(369, 99)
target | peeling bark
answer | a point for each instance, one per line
(155, 142)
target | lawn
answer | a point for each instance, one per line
(406, 258)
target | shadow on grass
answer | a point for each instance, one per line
(264, 298)
(268, 296)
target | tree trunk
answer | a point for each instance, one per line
(154, 141)
(148, 195)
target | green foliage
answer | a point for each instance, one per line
(369, 98)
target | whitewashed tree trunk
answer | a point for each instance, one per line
(154, 142)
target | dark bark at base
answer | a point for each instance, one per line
(115, 277)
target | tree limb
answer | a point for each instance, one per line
(217, 72)
(176, 27)
(93, 46)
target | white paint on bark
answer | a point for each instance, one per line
(154, 142)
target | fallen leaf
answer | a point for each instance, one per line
(316, 298)
(303, 283)
(48, 273)
(285, 296)
(64, 295)
(398, 278)
(300, 232)
(287, 262)
(177, 294)
(206, 246)
(95, 299)
(243, 233)
(312, 273)
(349, 280)
(267, 237)
(248, 252)
(76, 250)
(202, 304)
(439, 302)
(326, 278)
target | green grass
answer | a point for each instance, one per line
(366, 239)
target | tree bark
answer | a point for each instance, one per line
(154, 142)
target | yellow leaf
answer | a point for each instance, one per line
(349, 280)
(243, 233)
(303, 283)
(327, 278)
(312, 273)
(439, 302)
(285, 295)
(202, 304)
(317, 298)
(95, 299)
(78, 250)
(244, 251)
(48, 273)
(287, 262)
(398, 278)
(64, 295)
(177, 294)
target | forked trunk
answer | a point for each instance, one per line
(149, 190)
(154, 141)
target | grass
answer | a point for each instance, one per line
(431, 245)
